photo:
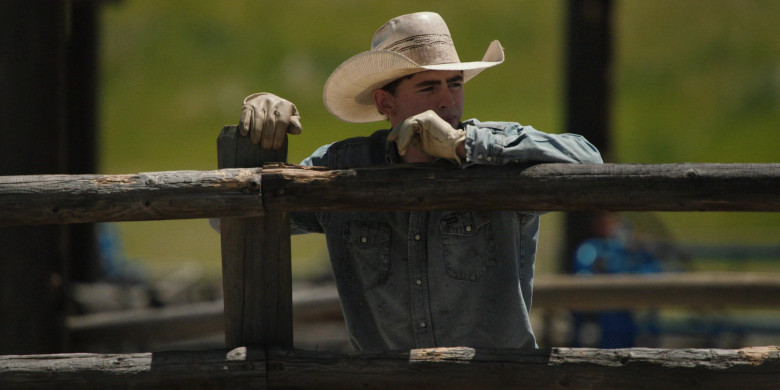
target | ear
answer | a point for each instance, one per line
(384, 102)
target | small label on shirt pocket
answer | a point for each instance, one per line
(368, 252)
(468, 246)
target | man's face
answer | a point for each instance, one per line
(437, 90)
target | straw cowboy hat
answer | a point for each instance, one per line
(405, 45)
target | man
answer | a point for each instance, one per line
(422, 279)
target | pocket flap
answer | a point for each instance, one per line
(463, 223)
(363, 234)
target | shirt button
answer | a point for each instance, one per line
(489, 158)
(468, 228)
(480, 156)
(423, 324)
(363, 239)
(417, 237)
(419, 282)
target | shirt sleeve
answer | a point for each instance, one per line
(506, 142)
(319, 158)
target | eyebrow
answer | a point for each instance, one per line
(428, 83)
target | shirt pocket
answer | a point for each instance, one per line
(468, 246)
(368, 253)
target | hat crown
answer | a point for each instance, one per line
(423, 37)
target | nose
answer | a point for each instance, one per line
(446, 98)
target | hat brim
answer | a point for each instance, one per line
(348, 91)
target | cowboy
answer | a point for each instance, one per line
(422, 279)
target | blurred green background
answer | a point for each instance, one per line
(694, 81)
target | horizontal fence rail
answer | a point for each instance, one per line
(56, 199)
(695, 290)
(541, 187)
(434, 368)
(698, 290)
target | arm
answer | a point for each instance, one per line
(506, 142)
(266, 119)
(490, 142)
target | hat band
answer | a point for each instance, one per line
(418, 41)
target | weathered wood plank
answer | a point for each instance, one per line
(436, 368)
(541, 187)
(311, 308)
(239, 368)
(554, 292)
(256, 267)
(630, 292)
(49, 199)
(52, 199)
(166, 324)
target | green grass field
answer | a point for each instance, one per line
(694, 81)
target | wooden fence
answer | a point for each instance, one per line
(253, 204)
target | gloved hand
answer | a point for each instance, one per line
(435, 136)
(267, 118)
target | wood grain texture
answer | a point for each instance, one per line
(256, 267)
(541, 187)
(239, 368)
(53, 199)
(434, 368)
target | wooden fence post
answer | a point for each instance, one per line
(256, 270)
(588, 95)
(33, 259)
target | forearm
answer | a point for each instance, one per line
(503, 142)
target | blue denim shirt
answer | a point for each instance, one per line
(438, 278)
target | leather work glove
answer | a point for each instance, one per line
(434, 136)
(267, 118)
